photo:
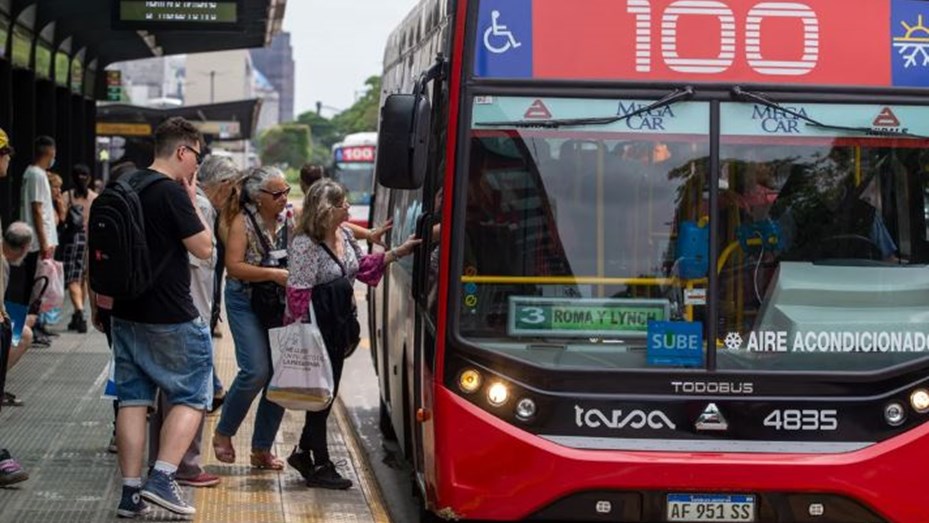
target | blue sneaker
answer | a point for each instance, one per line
(131, 504)
(162, 490)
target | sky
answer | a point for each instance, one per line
(337, 45)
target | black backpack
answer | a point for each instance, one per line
(119, 260)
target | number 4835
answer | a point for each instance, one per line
(805, 419)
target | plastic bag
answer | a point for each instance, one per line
(302, 378)
(55, 292)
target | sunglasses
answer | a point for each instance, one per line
(277, 195)
(197, 153)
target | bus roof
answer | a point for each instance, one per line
(878, 43)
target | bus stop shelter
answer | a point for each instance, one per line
(133, 125)
(53, 53)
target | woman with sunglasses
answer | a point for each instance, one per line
(256, 224)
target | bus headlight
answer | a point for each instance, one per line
(894, 414)
(497, 394)
(469, 381)
(525, 409)
(919, 400)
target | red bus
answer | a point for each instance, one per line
(353, 166)
(674, 263)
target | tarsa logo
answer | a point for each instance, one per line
(888, 121)
(619, 419)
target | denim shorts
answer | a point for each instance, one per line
(176, 358)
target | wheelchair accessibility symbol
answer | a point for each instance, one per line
(497, 38)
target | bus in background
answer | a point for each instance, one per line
(353, 166)
(674, 259)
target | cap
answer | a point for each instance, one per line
(5, 147)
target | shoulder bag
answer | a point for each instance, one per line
(334, 303)
(268, 298)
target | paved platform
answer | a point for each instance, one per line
(61, 433)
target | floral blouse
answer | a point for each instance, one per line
(311, 265)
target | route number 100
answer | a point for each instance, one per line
(642, 9)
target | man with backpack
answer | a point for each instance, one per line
(141, 229)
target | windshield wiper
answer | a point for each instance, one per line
(671, 98)
(741, 94)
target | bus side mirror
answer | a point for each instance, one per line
(403, 141)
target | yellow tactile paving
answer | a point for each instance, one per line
(247, 495)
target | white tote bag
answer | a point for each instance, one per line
(302, 377)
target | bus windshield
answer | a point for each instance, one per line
(358, 178)
(578, 238)
(569, 232)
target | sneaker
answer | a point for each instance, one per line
(203, 479)
(11, 471)
(162, 490)
(42, 330)
(112, 448)
(302, 461)
(131, 504)
(10, 400)
(326, 476)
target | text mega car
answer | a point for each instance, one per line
(675, 259)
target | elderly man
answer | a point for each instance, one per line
(16, 242)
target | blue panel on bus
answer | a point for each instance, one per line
(910, 43)
(504, 39)
(675, 343)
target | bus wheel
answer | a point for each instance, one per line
(384, 423)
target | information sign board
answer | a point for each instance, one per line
(589, 318)
(177, 15)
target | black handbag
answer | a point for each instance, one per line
(268, 298)
(336, 312)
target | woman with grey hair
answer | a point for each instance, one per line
(256, 224)
(325, 261)
(218, 176)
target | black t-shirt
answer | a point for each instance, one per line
(170, 217)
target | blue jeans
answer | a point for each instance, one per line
(176, 358)
(253, 356)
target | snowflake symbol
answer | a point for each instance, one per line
(733, 341)
(911, 53)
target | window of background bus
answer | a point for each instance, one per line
(823, 236)
(583, 219)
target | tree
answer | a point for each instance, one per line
(322, 129)
(286, 145)
(362, 115)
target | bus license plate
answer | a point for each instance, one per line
(693, 508)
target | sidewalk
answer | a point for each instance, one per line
(61, 433)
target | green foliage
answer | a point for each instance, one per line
(321, 128)
(360, 117)
(287, 145)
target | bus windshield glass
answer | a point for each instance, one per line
(569, 232)
(580, 240)
(823, 237)
(358, 178)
